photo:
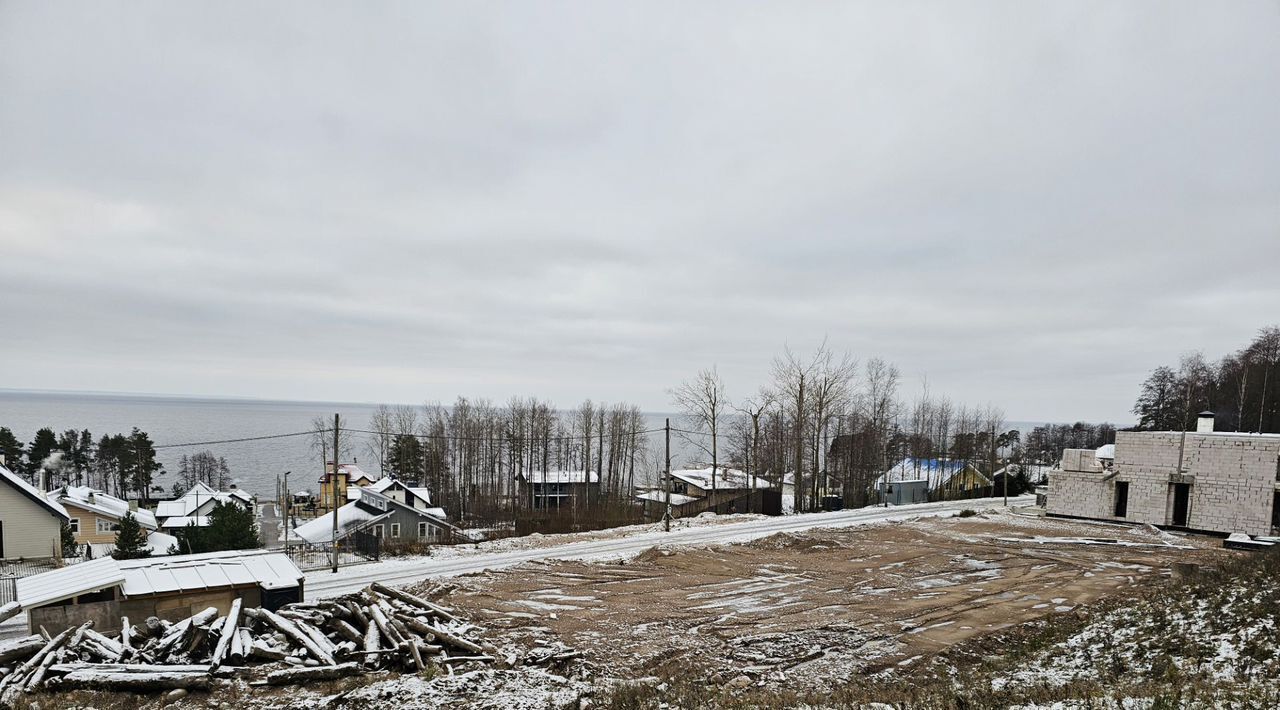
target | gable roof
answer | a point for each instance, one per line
(98, 502)
(386, 483)
(937, 472)
(727, 479)
(31, 492)
(353, 472)
(196, 498)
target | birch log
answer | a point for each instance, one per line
(291, 631)
(442, 612)
(230, 628)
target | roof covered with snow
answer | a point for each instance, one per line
(69, 581)
(560, 476)
(178, 573)
(110, 506)
(211, 570)
(351, 517)
(29, 491)
(661, 497)
(354, 474)
(725, 479)
(198, 497)
(1106, 451)
(938, 472)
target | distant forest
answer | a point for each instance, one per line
(1241, 389)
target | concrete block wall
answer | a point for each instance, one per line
(1233, 479)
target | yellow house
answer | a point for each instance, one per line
(95, 516)
(348, 474)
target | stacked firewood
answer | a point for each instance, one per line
(379, 628)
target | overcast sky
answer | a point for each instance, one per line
(1032, 203)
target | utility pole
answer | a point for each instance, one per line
(666, 518)
(335, 492)
(992, 443)
(288, 510)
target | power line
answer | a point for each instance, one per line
(447, 437)
(502, 437)
(237, 441)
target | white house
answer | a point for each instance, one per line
(194, 506)
(30, 521)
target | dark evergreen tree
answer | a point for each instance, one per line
(405, 458)
(45, 443)
(77, 448)
(68, 541)
(230, 527)
(11, 449)
(141, 465)
(131, 540)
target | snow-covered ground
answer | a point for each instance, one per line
(617, 544)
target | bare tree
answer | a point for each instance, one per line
(379, 443)
(702, 402)
(322, 440)
(792, 383)
(754, 408)
(830, 396)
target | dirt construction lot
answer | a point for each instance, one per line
(812, 608)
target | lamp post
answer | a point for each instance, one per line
(288, 509)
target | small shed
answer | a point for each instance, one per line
(904, 492)
(171, 588)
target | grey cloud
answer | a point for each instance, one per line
(1033, 203)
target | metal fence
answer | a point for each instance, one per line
(13, 570)
(357, 548)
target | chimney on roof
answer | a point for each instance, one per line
(91, 497)
(44, 481)
(133, 505)
(1204, 422)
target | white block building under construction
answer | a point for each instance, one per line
(1218, 482)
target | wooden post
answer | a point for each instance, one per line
(666, 517)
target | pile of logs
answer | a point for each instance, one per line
(378, 628)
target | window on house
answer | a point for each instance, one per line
(395, 530)
(75, 526)
(378, 531)
(106, 526)
(422, 530)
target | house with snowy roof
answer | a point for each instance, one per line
(194, 506)
(730, 490)
(553, 490)
(30, 520)
(912, 479)
(95, 517)
(381, 515)
(417, 497)
(347, 475)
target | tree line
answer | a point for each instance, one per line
(831, 426)
(1241, 389)
(836, 422)
(123, 465)
(472, 453)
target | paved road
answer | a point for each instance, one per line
(322, 584)
(268, 525)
